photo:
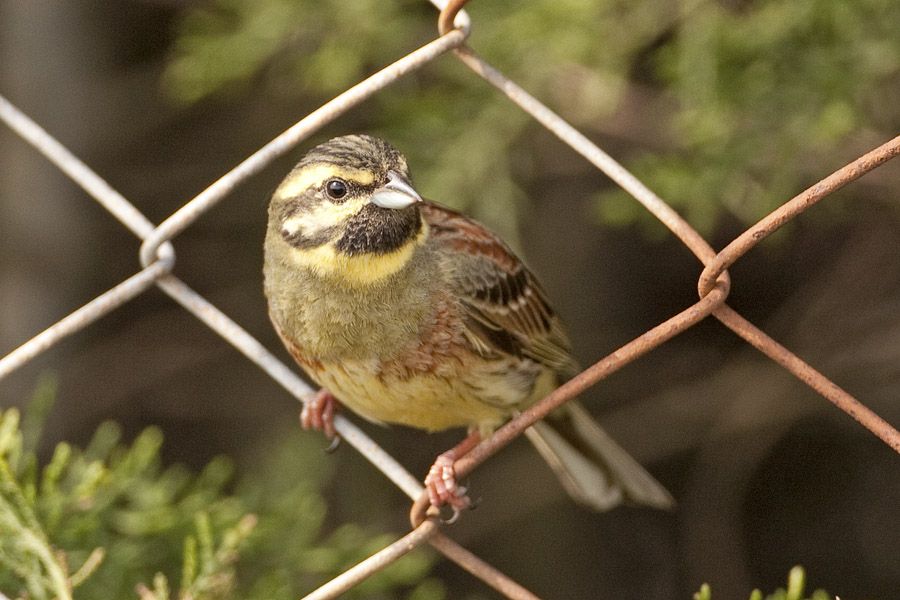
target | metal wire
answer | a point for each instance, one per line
(375, 563)
(157, 256)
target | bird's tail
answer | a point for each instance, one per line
(593, 468)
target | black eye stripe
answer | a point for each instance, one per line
(359, 189)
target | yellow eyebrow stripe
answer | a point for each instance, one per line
(315, 175)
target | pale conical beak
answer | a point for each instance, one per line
(395, 194)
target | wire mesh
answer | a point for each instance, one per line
(158, 257)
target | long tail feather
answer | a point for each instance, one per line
(592, 467)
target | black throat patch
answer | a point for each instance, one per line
(376, 230)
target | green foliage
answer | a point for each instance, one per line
(753, 100)
(290, 552)
(110, 521)
(794, 591)
(768, 97)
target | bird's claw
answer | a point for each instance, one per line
(443, 489)
(333, 444)
(318, 414)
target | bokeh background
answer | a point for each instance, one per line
(725, 108)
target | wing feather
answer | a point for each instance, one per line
(507, 311)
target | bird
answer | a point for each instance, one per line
(407, 312)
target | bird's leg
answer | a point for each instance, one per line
(318, 413)
(441, 479)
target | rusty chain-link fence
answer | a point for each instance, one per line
(157, 255)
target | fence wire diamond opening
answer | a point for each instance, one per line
(158, 256)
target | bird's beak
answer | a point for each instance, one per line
(396, 193)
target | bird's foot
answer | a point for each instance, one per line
(441, 484)
(318, 414)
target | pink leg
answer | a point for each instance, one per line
(441, 479)
(318, 413)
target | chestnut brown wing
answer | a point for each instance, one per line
(506, 310)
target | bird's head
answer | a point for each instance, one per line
(348, 209)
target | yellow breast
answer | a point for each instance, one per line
(426, 401)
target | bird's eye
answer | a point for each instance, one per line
(336, 188)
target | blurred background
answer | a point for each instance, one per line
(725, 108)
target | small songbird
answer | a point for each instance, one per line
(408, 312)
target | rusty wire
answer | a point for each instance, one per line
(756, 337)
(158, 257)
(450, 13)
